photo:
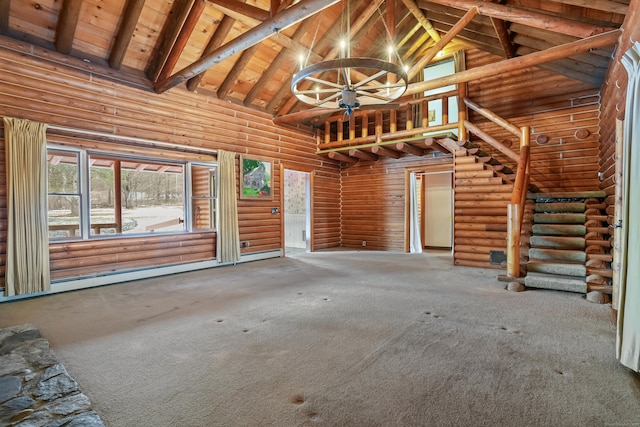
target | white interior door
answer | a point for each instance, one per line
(296, 210)
(438, 210)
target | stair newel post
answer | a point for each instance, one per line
(525, 158)
(513, 240)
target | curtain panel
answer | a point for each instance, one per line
(628, 337)
(27, 269)
(228, 234)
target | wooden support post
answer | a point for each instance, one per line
(513, 240)
(425, 114)
(327, 131)
(409, 122)
(393, 121)
(462, 113)
(340, 129)
(378, 125)
(365, 125)
(445, 110)
(352, 126)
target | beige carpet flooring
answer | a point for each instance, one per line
(338, 338)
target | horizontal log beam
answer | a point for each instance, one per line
(499, 68)
(525, 17)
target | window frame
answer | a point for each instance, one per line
(84, 187)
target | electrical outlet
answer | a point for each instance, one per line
(364, 243)
(274, 210)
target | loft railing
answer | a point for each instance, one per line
(366, 128)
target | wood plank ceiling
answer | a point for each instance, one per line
(247, 52)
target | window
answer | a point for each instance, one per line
(64, 193)
(434, 71)
(204, 196)
(126, 195)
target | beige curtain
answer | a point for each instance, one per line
(628, 337)
(27, 228)
(228, 233)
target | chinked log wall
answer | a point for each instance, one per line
(48, 91)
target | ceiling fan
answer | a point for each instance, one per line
(350, 84)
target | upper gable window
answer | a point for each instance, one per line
(434, 71)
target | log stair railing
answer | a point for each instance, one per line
(569, 243)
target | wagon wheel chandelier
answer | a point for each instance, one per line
(350, 83)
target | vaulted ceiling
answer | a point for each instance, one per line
(247, 52)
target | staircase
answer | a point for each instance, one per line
(481, 197)
(567, 243)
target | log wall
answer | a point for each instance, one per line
(563, 117)
(480, 209)
(373, 200)
(38, 85)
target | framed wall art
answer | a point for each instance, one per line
(255, 178)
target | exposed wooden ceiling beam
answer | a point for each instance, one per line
(275, 6)
(183, 37)
(363, 155)
(341, 157)
(284, 55)
(253, 22)
(490, 70)
(125, 32)
(519, 62)
(422, 20)
(524, 16)
(170, 33)
(502, 32)
(284, 19)
(418, 67)
(385, 152)
(66, 27)
(4, 16)
(570, 68)
(233, 74)
(221, 33)
(237, 9)
(604, 5)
